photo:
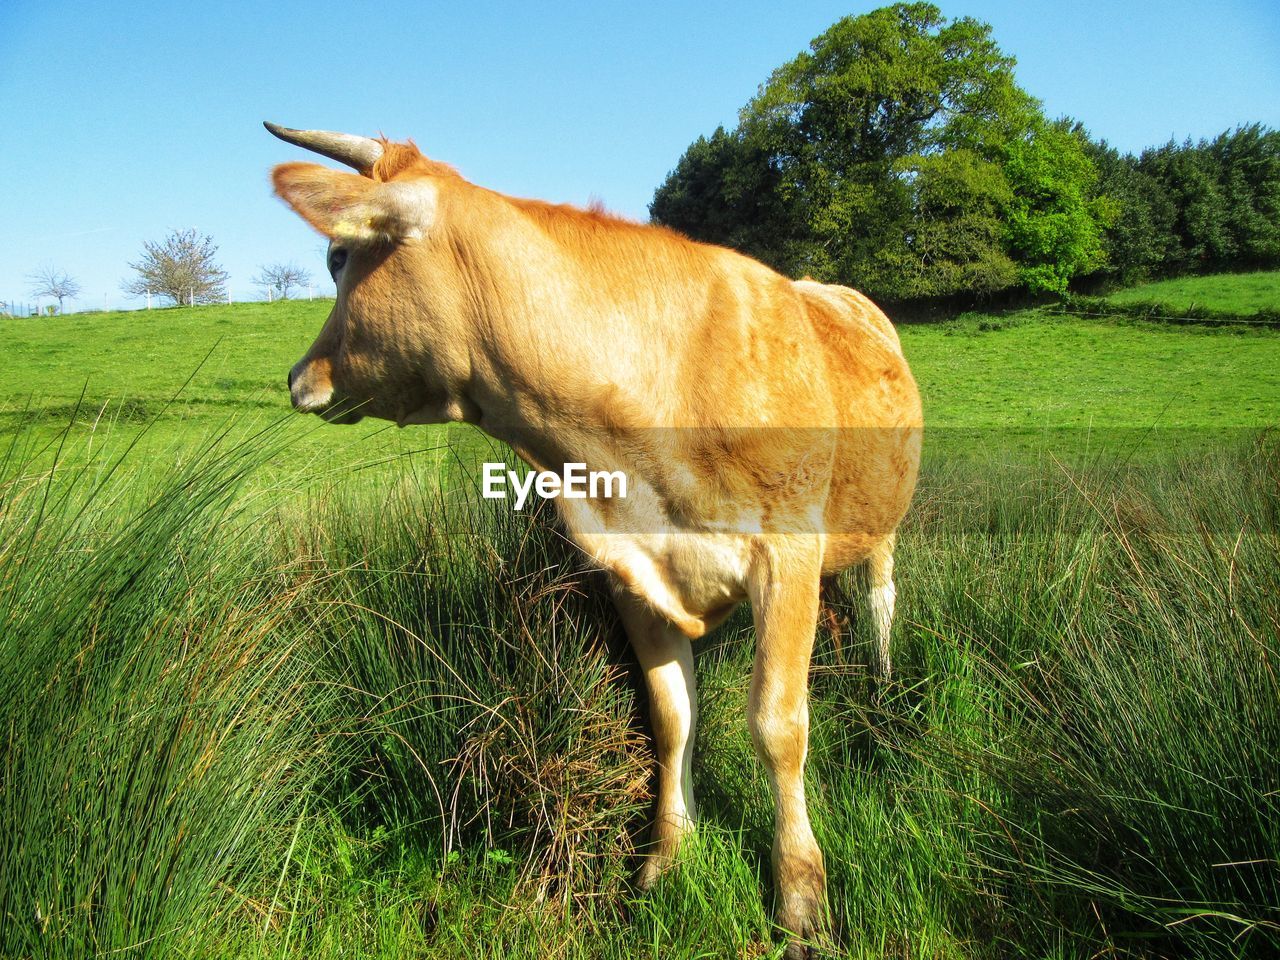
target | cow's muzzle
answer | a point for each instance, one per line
(311, 391)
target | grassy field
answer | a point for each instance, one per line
(258, 703)
(1241, 294)
(180, 373)
(1017, 383)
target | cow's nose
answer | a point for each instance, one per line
(291, 380)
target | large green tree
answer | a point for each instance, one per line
(953, 241)
(1248, 163)
(725, 190)
(1139, 240)
(899, 155)
(1207, 205)
(1200, 228)
(1054, 225)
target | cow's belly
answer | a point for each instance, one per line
(693, 579)
(692, 576)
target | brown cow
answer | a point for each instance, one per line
(769, 429)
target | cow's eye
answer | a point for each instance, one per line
(337, 260)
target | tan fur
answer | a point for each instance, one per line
(770, 429)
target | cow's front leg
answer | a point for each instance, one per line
(783, 588)
(666, 656)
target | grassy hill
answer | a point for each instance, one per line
(1238, 293)
(1021, 382)
(265, 693)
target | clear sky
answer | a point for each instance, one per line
(119, 122)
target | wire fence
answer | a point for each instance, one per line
(1225, 320)
(13, 308)
(22, 308)
(1191, 315)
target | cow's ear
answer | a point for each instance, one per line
(346, 206)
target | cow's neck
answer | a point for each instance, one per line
(548, 371)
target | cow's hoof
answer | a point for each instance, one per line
(651, 869)
(802, 940)
(801, 906)
(664, 851)
(662, 859)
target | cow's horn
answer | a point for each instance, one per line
(358, 152)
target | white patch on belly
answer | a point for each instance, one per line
(684, 576)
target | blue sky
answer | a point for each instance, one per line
(119, 122)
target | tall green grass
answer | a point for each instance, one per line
(1082, 752)
(156, 724)
(396, 720)
(482, 680)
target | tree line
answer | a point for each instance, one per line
(182, 268)
(899, 155)
(1179, 208)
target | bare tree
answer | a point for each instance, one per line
(180, 267)
(277, 279)
(49, 281)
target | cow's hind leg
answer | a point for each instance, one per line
(666, 657)
(882, 596)
(783, 587)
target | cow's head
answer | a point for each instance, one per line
(369, 358)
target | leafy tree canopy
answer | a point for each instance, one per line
(1207, 206)
(898, 155)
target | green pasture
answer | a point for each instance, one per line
(183, 374)
(1241, 294)
(1018, 383)
(266, 692)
